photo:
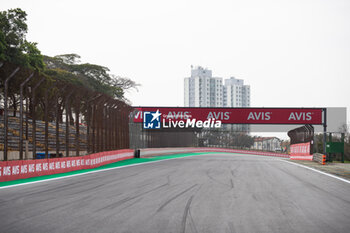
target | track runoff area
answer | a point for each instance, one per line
(196, 192)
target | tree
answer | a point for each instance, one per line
(345, 128)
(2, 46)
(227, 138)
(123, 84)
(16, 51)
(14, 47)
(94, 77)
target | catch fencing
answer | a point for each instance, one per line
(62, 106)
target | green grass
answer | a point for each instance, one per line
(336, 161)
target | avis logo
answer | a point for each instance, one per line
(151, 120)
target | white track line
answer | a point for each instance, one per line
(315, 170)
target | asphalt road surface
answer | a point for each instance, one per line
(206, 193)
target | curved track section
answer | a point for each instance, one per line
(205, 193)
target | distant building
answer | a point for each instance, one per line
(267, 143)
(236, 94)
(204, 90)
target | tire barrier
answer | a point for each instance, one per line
(22, 169)
(320, 158)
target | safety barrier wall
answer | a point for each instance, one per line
(164, 151)
(320, 158)
(21, 169)
(300, 151)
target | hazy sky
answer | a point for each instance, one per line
(292, 53)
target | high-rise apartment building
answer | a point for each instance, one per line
(236, 94)
(203, 90)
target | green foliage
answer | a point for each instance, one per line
(2, 46)
(12, 24)
(32, 55)
(94, 77)
(14, 47)
(69, 59)
(63, 75)
(229, 139)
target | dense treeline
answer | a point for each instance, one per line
(16, 51)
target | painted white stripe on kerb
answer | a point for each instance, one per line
(315, 170)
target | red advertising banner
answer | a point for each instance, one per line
(300, 151)
(238, 115)
(21, 169)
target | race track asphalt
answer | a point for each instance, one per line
(203, 193)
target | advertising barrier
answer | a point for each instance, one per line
(21, 169)
(164, 151)
(237, 115)
(247, 152)
(300, 151)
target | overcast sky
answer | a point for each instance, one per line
(292, 53)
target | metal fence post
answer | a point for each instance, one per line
(325, 132)
(77, 136)
(6, 112)
(342, 140)
(112, 126)
(67, 122)
(88, 126)
(93, 138)
(47, 121)
(57, 127)
(57, 119)
(21, 116)
(27, 113)
(90, 123)
(34, 116)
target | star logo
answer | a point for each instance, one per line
(151, 120)
(155, 115)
